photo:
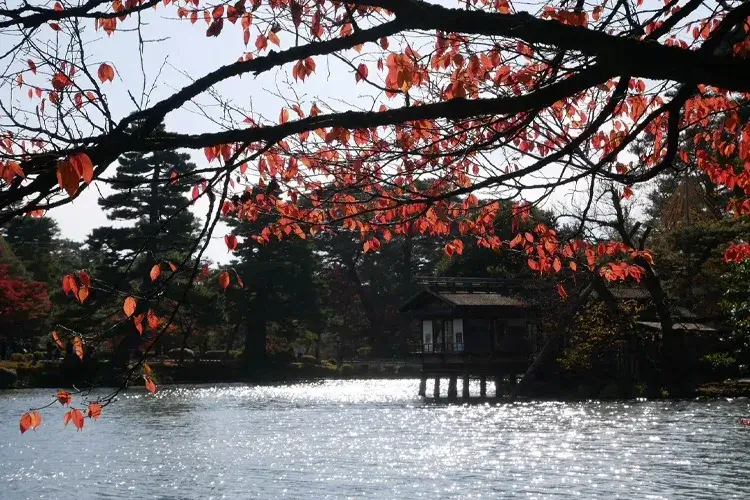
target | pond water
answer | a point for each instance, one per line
(372, 439)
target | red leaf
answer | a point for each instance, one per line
(215, 28)
(67, 177)
(85, 278)
(274, 39)
(150, 386)
(196, 193)
(562, 291)
(239, 280)
(173, 177)
(78, 347)
(60, 81)
(94, 411)
(261, 42)
(32, 66)
(361, 72)
(155, 272)
(172, 267)
(152, 319)
(138, 322)
(58, 342)
(64, 397)
(218, 12)
(284, 115)
(25, 423)
(224, 280)
(231, 241)
(129, 306)
(105, 72)
(557, 265)
(75, 416)
(83, 166)
(147, 370)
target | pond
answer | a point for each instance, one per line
(372, 439)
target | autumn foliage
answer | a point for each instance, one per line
(466, 106)
(21, 302)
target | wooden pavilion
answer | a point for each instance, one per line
(472, 327)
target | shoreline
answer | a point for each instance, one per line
(50, 375)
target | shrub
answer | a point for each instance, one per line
(236, 353)
(347, 369)
(218, 355)
(309, 360)
(364, 351)
(20, 357)
(8, 377)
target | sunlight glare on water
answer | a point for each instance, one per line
(372, 439)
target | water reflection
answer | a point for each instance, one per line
(373, 439)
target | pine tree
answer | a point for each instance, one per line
(150, 197)
(146, 194)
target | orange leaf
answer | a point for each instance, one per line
(224, 280)
(78, 347)
(138, 322)
(152, 319)
(36, 420)
(557, 265)
(67, 177)
(94, 411)
(261, 42)
(147, 370)
(562, 291)
(83, 294)
(150, 385)
(172, 267)
(128, 306)
(64, 397)
(83, 166)
(25, 423)
(58, 342)
(106, 73)
(274, 39)
(155, 272)
(573, 266)
(75, 416)
(284, 115)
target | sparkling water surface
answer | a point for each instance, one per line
(375, 440)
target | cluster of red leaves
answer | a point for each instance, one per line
(20, 300)
(77, 284)
(74, 169)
